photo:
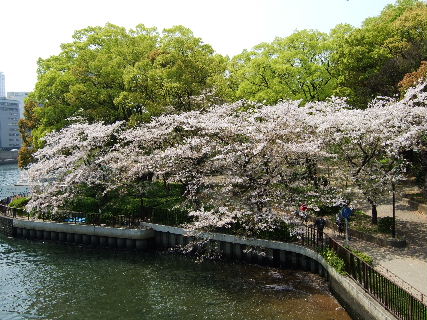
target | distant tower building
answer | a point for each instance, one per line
(20, 96)
(2, 86)
(9, 131)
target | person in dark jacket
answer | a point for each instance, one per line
(320, 225)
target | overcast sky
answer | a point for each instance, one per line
(32, 29)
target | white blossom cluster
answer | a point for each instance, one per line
(241, 159)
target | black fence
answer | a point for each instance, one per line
(147, 214)
(404, 303)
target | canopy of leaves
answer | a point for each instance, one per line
(371, 60)
(412, 78)
(295, 67)
(357, 63)
(110, 73)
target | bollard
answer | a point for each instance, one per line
(112, 243)
(165, 239)
(294, 262)
(62, 236)
(282, 259)
(313, 265)
(270, 257)
(227, 250)
(121, 243)
(39, 234)
(237, 251)
(19, 232)
(141, 244)
(180, 239)
(172, 240)
(158, 239)
(86, 239)
(276, 258)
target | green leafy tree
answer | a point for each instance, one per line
(176, 72)
(296, 67)
(371, 60)
(110, 73)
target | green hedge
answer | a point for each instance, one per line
(385, 224)
(19, 202)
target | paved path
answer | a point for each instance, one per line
(410, 263)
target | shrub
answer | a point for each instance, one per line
(84, 204)
(20, 202)
(385, 224)
(124, 205)
(334, 261)
(172, 217)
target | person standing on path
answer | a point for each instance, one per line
(320, 225)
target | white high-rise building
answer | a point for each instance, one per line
(20, 96)
(2, 86)
(9, 130)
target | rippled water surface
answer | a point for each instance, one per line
(53, 281)
(41, 280)
(9, 174)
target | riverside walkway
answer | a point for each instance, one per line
(409, 263)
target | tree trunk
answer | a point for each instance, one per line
(424, 166)
(374, 213)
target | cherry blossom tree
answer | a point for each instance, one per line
(240, 162)
(68, 161)
(369, 143)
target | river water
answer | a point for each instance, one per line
(9, 176)
(42, 280)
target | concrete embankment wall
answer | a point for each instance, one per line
(142, 239)
(152, 236)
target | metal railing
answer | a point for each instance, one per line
(154, 215)
(394, 297)
(402, 283)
